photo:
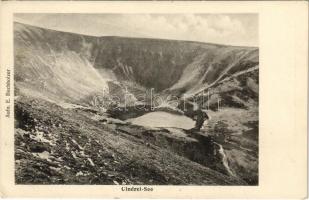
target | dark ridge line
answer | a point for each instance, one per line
(138, 38)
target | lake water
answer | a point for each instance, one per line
(163, 119)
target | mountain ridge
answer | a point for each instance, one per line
(172, 66)
(60, 76)
(111, 36)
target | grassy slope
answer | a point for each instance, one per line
(46, 66)
(55, 145)
(67, 67)
(237, 131)
(177, 66)
(236, 124)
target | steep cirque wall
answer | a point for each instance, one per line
(70, 67)
(54, 65)
(174, 66)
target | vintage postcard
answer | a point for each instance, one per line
(154, 99)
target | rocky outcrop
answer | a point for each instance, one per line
(74, 146)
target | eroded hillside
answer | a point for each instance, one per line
(47, 58)
(62, 137)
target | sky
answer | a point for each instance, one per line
(231, 29)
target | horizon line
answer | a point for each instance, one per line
(128, 37)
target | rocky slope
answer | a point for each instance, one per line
(178, 67)
(62, 136)
(75, 146)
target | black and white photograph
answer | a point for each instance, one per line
(136, 99)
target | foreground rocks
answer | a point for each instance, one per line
(54, 145)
